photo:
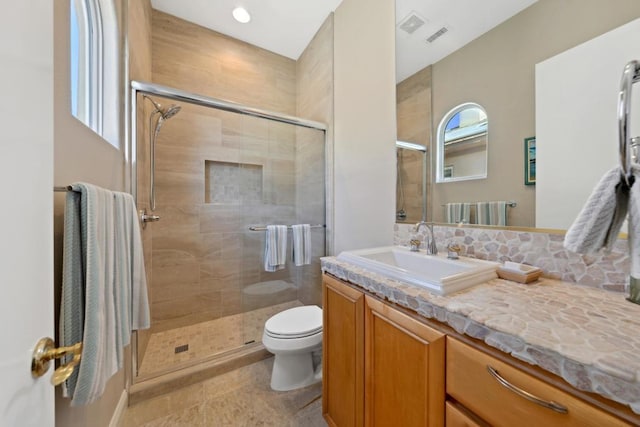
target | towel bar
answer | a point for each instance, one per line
(510, 204)
(630, 75)
(264, 228)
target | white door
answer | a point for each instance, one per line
(26, 208)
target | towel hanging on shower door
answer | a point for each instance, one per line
(301, 252)
(275, 247)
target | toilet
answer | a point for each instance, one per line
(293, 336)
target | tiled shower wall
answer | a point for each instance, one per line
(413, 111)
(204, 255)
(607, 271)
(217, 173)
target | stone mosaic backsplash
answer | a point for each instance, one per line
(609, 271)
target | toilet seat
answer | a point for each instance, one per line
(297, 322)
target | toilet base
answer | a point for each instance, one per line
(292, 371)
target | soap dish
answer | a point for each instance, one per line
(520, 273)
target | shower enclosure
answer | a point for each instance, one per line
(213, 174)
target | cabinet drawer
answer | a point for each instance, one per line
(469, 382)
(457, 418)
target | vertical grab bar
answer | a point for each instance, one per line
(630, 75)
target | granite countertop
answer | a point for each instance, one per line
(588, 336)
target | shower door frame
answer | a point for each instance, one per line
(147, 88)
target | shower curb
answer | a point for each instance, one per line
(157, 386)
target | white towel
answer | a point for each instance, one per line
(301, 244)
(598, 224)
(275, 247)
(456, 213)
(104, 281)
(491, 213)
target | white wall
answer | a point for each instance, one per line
(365, 124)
(576, 118)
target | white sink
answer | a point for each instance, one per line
(435, 273)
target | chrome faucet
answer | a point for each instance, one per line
(430, 241)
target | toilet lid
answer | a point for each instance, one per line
(295, 322)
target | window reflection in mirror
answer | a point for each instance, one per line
(95, 47)
(462, 144)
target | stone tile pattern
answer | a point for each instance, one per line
(206, 339)
(585, 335)
(609, 271)
(238, 398)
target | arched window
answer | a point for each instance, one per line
(463, 144)
(95, 66)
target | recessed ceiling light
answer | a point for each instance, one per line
(241, 15)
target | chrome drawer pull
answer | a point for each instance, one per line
(547, 404)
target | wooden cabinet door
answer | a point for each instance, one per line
(404, 369)
(343, 354)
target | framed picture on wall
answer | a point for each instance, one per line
(530, 161)
(448, 171)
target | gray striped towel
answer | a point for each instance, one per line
(491, 213)
(104, 292)
(301, 236)
(275, 247)
(456, 213)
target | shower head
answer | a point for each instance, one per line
(171, 111)
(165, 113)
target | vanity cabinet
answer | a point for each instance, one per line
(342, 354)
(381, 367)
(385, 366)
(503, 395)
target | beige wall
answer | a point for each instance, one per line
(413, 113)
(79, 155)
(365, 124)
(314, 101)
(139, 38)
(497, 72)
(198, 60)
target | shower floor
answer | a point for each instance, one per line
(206, 339)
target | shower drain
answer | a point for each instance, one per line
(182, 348)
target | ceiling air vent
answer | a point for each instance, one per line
(411, 23)
(437, 34)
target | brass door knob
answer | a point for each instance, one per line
(46, 351)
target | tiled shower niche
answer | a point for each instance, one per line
(232, 183)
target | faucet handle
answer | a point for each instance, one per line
(414, 245)
(453, 250)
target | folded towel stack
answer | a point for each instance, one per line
(104, 290)
(275, 247)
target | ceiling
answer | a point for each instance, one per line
(287, 26)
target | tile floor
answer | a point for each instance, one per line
(206, 339)
(238, 398)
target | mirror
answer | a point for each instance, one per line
(411, 182)
(95, 66)
(497, 71)
(462, 144)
